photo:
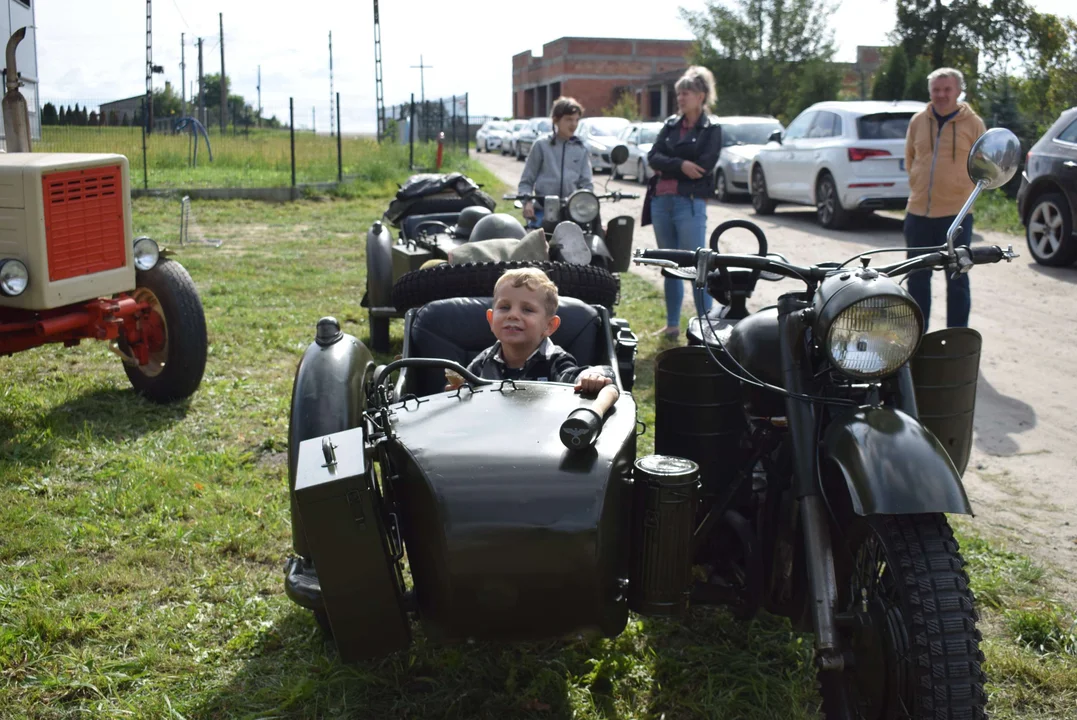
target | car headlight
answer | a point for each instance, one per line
(740, 163)
(868, 325)
(14, 277)
(583, 206)
(146, 253)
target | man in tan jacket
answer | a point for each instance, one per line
(937, 149)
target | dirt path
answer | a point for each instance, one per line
(1022, 477)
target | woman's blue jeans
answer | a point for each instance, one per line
(680, 223)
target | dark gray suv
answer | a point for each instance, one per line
(1047, 200)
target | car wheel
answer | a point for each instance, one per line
(1050, 231)
(761, 201)
(828, 205)
(721, 191)
(174, 333)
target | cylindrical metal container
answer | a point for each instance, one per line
(698, 413)
(663, 520)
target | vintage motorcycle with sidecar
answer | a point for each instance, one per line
(806, 457)
(435, 214)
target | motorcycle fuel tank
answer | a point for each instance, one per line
(509, 534)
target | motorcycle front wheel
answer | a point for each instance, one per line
(907, 623)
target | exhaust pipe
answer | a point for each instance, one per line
(16, 115)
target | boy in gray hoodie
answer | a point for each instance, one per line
(558, 163)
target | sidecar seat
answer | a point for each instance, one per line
(457, 329)
(410, 224)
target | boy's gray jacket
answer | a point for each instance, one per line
(557, 167)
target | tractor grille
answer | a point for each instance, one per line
(84, 226)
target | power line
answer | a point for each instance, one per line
(181, 15)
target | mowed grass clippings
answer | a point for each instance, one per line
(141, 547)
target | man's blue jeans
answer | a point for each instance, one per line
(921, 232)
(680, 223)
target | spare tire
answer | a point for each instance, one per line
(590, 284)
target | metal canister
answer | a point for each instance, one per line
(666, 490)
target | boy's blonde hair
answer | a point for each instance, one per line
(533, 279)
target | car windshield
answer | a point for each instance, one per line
(610, 127)
(748, 134)
(543, 125)
(649, 133)
(498, 126)
(883, 126)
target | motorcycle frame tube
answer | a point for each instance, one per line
(819, 553)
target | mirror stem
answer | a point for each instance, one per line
(955, 226)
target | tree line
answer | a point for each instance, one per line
(166, 104)
(775, 57)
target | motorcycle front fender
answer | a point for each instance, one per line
(892, 465)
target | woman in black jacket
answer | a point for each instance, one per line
(684, 156)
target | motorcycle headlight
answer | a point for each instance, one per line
(14, 277)
(583, 206)
(869, 327)
(146, 253)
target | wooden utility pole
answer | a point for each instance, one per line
(224, 84)
(422, 85)
(183, 74)
(259, 96)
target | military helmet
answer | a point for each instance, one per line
(497, 225)
(468, 217)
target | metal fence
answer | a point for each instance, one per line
(195, 150)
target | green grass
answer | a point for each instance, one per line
(141, 548)
(261, 158)
(994, 210)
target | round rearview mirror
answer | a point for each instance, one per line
(994, 158)
(518, 204)
(619, 154)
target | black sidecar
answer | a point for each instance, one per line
(507, 533)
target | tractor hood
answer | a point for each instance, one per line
(510, 535)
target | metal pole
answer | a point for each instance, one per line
(201, 88)
(331, 107)
(224, 83)
(467, 128)
(340, 157)
(453, 122)
(411, 135)
(183, 73)
(145, 164)
(148, 104)
(291, 126)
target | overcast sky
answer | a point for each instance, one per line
(95, 51)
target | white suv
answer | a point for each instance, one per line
(491, 136)
(841, 157)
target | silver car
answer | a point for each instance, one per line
(638, 138)
(508, 146)
(742, 137)
(526, 138)
(599, 136)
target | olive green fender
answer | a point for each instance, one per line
(892, 465)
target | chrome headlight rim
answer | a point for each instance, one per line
(14, 277)
(146, 253)
(580, 207)
(895, 332)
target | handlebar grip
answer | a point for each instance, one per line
(984, 254)
(684, 258)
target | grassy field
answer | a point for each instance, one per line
(142, 547)
(260, 159)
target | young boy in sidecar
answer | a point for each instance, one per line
(523, 316)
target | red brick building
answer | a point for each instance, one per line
(596, 71)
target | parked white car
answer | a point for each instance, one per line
(841, 157)
(512, 134)
(742, 138)
(491, 136)
(638, 138)
(599, 136)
